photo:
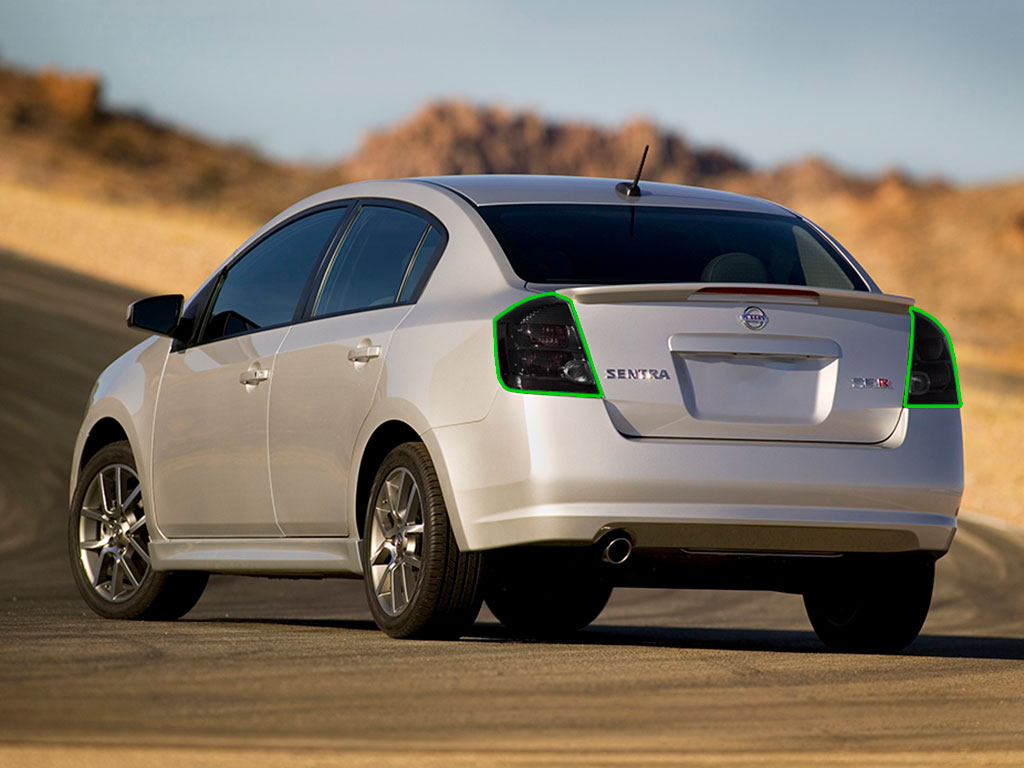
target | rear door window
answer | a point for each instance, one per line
(263, 288)
(378, 263)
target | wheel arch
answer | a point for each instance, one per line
(384, 439)
(104, 432)
(108, 422)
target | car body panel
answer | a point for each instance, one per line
(716, 378)
(319, 400)
(126, 392)
(210, 455)
(495, 189)
(547, 469)
(293, 556)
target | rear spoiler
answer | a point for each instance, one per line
(737, 292)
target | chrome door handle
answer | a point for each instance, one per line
(254, 376)
(363, 354)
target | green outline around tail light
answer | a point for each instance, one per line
(583, 341)
(910, 361)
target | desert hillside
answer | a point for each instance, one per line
(156, 207)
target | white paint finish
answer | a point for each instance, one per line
(757, 389)
(210, 440)
(291, 556)
(320, 400)
(541, 469)
(442, 359)
(499, 189)
(126, 391)
(790, 381)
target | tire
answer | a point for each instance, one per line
(877, 608)
(544, 595)
(419, 584)
(108, 545)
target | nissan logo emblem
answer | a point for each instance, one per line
(754, 318)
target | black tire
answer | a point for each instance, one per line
(878, 607)
(544, 595)
(110, 591)
(445, 597)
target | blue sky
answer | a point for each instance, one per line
(934, 87)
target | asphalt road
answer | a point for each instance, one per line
(278, 672)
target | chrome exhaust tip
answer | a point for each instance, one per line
(617, 550)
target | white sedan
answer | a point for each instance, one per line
(528, 390)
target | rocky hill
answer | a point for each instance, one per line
(454, 137)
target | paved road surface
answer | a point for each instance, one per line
(278, 672)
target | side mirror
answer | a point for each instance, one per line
(159, 314)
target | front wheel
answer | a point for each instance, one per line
(418, 582)
(108, 543)
(879, 607)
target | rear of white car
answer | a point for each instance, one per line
(702, 428)
(733, 429)
(738, 415)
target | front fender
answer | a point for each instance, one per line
(126, 392)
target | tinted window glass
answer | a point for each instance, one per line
(424, 258)
(264, 287)
(609, 244)
(369, 266)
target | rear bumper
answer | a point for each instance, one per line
(547, 469)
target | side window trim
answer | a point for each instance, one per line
(319, 277)
(430, 221)
(412, 262)
(428, 270)
(203, 314)
(316, 276)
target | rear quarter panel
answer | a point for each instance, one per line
(439, 368)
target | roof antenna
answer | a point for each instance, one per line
(633, 190)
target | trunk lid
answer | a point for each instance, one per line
(747, 362)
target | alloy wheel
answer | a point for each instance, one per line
(396, 541)
(113, 541)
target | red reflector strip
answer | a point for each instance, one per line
(759, 291)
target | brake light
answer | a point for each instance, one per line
(539, 348)
(932, 380)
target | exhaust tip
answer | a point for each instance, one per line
(617, 550)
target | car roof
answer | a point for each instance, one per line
(504, 189)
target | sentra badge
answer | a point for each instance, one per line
(754, 318)
(636, 373)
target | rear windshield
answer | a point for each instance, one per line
(612, 244)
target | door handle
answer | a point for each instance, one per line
(254, 376)
(364, 354)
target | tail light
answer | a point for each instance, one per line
(932, 380)
(539, 348)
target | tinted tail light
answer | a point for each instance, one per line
(931, 373)
(539, 348)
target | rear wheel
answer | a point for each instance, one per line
(879, 607)
(418, 582)
(108, 543)
(544, 595)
